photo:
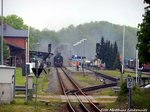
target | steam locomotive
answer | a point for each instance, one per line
(58, 60)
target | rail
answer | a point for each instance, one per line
(71, 109)
(93, 88)
(81, 92)
(104, 75)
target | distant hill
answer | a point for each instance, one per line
(93, 32)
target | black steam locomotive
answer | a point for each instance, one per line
(58, 60)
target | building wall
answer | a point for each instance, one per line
(18, 41)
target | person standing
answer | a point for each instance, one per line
(77, 65)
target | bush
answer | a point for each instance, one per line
(137, 101)
(123, 89)
(137, 90)
(141, 98)
(122, 97)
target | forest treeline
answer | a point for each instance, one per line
(92, 31)
(108, 53)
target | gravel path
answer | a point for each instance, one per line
(68, 85)
(53, 86)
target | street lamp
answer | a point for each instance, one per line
(83, 48)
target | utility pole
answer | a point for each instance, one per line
(27, 61)
(137, 66)
(2, 32)
(122, 72)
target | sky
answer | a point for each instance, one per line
(57, 14)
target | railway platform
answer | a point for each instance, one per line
(73, 69)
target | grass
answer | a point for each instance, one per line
(20, 80)
(86, 80)
(107, 91)
(116, 73)
(140, 100)
(42, 83)
(19, 106)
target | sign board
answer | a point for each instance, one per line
(37, 72)
(129, 82)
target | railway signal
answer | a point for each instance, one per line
(49, 48)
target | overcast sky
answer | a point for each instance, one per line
(56, 14)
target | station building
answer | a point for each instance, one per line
(18, 43)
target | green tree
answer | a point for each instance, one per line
(16, 22)
(144, 36)
(33, 38)
(4, 19)
(108, 53)
(5, 50)
(116, 59)
(102, 50)
(147, 1)
(5, 47)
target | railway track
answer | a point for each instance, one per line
(70, 107)
(104, 76)
(113, 82)
(88, 107)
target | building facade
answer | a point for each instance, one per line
(18, 43)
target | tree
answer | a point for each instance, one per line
(5, 50)
(147, 1)
(16, 22)
(144, 36)
(116, 59)
(102, 49)
(5, 47)
(108, 53)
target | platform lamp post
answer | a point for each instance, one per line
(83, 48)
(2, 33)
(83, 41)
